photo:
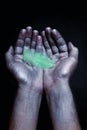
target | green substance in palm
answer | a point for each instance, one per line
(37, 59)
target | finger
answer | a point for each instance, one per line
(20, 42)
(60, 42)
(44, 51)
(50, 40)
(9, 55)
(28, 36)
(46, 44)
(39, 44)
(34, 39)
(73, 51)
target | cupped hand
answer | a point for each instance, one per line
(64, 55)
(23, 72)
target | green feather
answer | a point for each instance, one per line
(37, 59)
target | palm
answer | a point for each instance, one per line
(66, 57)
(63, 69)
(23, 72)
(20, 70)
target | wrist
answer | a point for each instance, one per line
(30, 88)
(58, 85)
(62, 82)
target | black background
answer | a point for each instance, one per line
(71, 21)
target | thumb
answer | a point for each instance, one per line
(9, 55)
(73, 51)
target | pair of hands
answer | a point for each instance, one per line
(51, 43)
